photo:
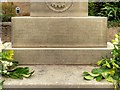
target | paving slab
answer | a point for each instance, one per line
(57, 76)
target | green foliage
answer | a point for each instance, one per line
(1, 84)
(111, 10)
(94, 8)
(106, 9)
(9, 67)
(7, 55)
(18, 73)
(109, 67)
(8, 11)
(114, 23)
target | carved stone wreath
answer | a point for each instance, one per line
(59, 6)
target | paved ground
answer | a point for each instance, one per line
(57, 76)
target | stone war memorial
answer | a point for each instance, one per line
(59, 41)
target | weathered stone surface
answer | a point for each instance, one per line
(60, 55)
(57, 76)
(75, 9)
(59, 31)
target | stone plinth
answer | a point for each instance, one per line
(59, 9)
(60, 55)
(59, 31)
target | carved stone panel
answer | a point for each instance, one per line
(59, 9)
(59, 6)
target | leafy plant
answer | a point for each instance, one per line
(109, 67)
(94, 8)
(8, 11)
(9, 67)
(106, 9)
(110, 10)
(113, 23)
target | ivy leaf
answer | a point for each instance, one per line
(116, 77)
(88, 77)
(114, 64)
(115, 52)
(111, 72)
(99, 78)
(116, 36)
(108, 72)
(7, 55)
(20, 73)
(28, 75)
(99, 62)
(98, 71)
(85, 73)
(0, 55)
(94, 75)
(1, 84)
(109, 79)
(15, 64)
(91, 74)
(107, 64)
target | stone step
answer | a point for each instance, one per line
(60, 55)
(56, 76)
(59, 32)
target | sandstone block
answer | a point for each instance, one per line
(60, 55)
(59, 31)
